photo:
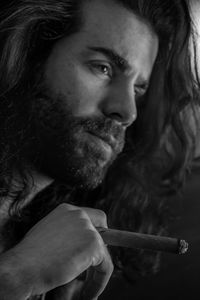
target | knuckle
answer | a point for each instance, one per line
(64, 207)
(102, 215)
(82, 214)
(85, 224)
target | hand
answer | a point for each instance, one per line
(62, 246)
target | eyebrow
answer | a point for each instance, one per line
(118, 60)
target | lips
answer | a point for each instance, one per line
(108, 139)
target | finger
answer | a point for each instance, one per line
(97, 217)
(69, 207)
(98, 277)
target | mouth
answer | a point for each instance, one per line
(107, 139)
(102, 146)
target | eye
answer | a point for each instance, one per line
(104, 69)
(140, 90)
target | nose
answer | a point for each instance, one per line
(119, 104)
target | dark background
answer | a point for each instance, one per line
(179, 277)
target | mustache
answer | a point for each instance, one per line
(103, 127)
(95, 124)
(67, 123)
(107, 129)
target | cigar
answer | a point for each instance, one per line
(128, 239)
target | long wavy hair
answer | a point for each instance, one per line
(159, 144)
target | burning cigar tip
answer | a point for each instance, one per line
(183, 246)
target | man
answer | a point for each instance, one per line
(75, 75)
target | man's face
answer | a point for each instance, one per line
(92, 80)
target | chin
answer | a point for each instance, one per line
(78, 166)
(89, 177)
(86, 175)
(82, 180)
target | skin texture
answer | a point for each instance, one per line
(86, 98)
(84, 91)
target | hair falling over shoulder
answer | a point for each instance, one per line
(159, 145)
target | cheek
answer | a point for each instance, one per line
(85, 95)
(82, 90)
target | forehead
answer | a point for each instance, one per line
(109, 24)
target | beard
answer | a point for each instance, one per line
(77, 151)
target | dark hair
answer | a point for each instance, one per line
(28, 31)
